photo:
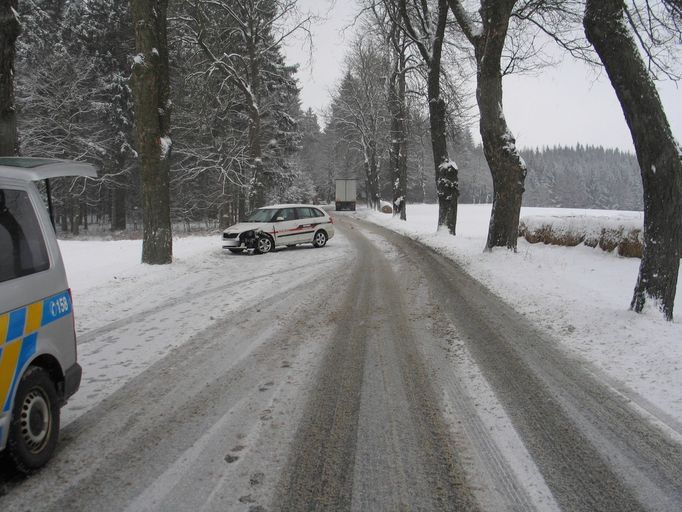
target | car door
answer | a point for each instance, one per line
(286, 227)
(306, 224)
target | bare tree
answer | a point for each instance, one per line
(487, 36)
(397, 105)
(612, 29)
(425, 28)
(428, 35)
(9, 31)
(359, 108)
(153, 116)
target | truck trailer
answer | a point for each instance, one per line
(346, 194)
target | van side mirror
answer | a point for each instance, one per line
(279, 219)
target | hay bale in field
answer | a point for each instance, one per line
(534, 236)
(569, 231)
(631, 246)
(591, 240)
(568, 239)
(610, 238)
(546, 234)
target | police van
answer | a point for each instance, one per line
(38, 368)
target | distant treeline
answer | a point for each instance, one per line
(566, 177)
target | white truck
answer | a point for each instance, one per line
(346, 194)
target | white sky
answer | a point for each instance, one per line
(563, 105)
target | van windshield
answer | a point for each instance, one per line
(262, 215)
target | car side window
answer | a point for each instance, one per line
(287, 214)
(317, 213)
(303, 213)
(22, 248)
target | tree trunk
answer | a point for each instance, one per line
(507, 168)
(657, 151)
(258, 187)
(119, 196)
(153, 111)
(65, 216)
(506, 165)
(398, 147)
(84, 215)
(258, 183)
(372, 171)
(118, 209)
(9, 31)
(447, 184)
(75, 217)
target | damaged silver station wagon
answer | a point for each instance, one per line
(280, 225)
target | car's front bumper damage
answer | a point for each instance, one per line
(244, 240)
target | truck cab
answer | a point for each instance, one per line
(38, 366)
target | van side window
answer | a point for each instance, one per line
(22, 248)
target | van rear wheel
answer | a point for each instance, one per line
(34, 428)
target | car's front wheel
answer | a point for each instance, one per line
(320, 239)
(34, 428)
(264, 245)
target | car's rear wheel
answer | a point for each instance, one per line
(34, 428)
(236, 251)
(320, 239)
(264, 244)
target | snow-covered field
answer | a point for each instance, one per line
(579, 295)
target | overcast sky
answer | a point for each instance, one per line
(565, 104)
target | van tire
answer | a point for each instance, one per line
(34, 429)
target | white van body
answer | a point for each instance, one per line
(38, 367)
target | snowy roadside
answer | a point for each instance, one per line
(130, 315)
(579, 295)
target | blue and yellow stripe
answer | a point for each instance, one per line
(19, 338)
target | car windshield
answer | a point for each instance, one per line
(262, 216)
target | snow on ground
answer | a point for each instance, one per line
(130, 315)
(578, 295)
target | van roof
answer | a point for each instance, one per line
(34, 169)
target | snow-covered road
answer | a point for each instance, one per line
(130, 316)
(372, 374)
